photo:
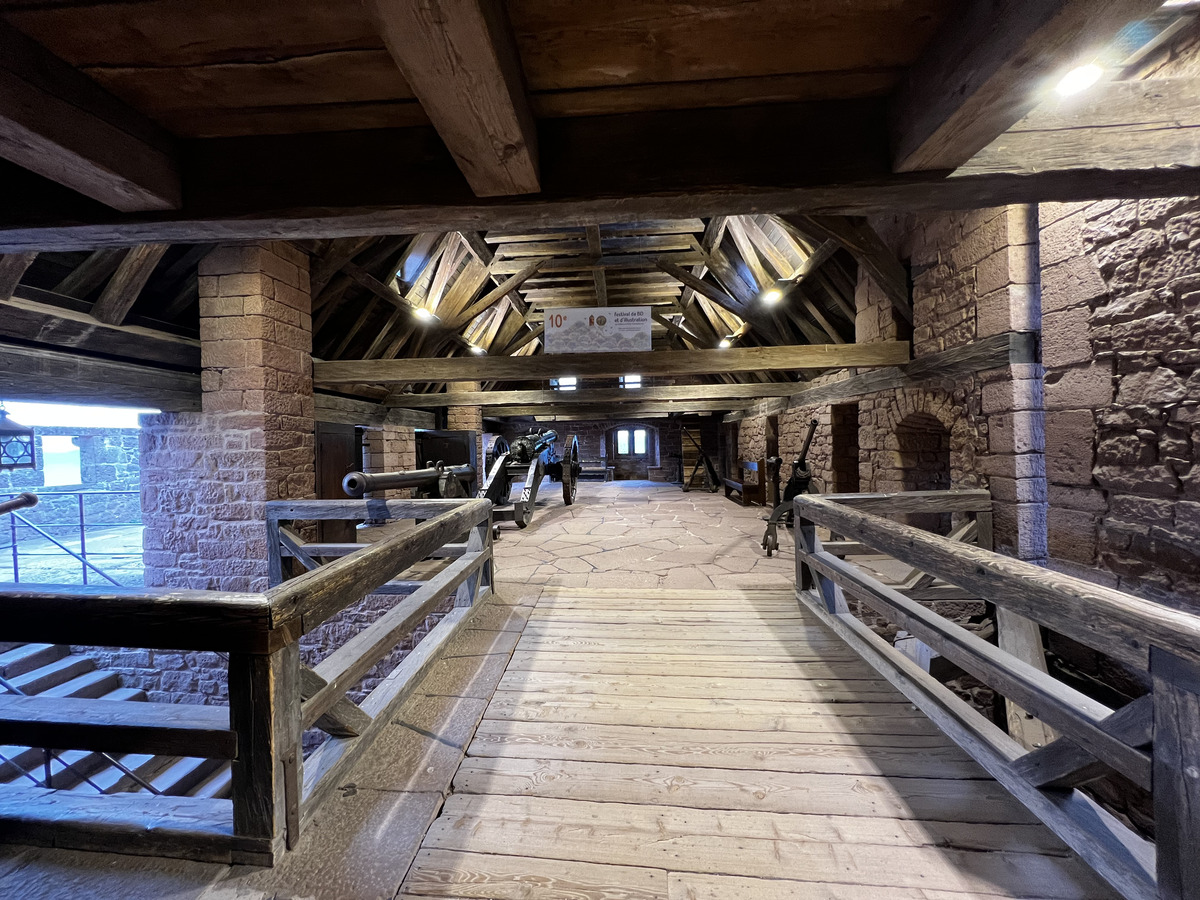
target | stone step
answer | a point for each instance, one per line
(183, 774)
(27, 657)
(217, 785)
(125, 693)
(93, 684)
(73, 767)
(53, 674)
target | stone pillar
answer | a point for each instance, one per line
(1013, 397)
(466, 418)
(206, 476)
(390, 448)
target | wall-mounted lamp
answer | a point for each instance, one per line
(16, 444)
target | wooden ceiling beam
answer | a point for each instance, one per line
(494, 296)
(124, 288)
(864, 244)
(990, 65)
(568, 405)
(12, 267)
(693, 362)
(58, 123)
(599, 395)
(461, 61)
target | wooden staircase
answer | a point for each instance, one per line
(52, 670)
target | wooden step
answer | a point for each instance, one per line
(27, 657)
(55, 673)
(92, 684)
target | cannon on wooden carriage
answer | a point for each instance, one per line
(534, 456)
(21, 501)
(435, 481)
(800, 482)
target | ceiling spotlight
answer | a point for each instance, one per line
(423, 314)
(1079, 79)
(773, 296)
(477, 350)
(726, 342)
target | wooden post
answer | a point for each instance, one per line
(264, 710)
(274, 557)
(808, 542)
(1176, 773)
(479, 538)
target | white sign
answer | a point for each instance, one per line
(605, 329)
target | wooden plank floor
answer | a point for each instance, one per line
(658, 744)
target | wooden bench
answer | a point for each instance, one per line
(595, 469)
(752, 493)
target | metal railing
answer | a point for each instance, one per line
(20, 527)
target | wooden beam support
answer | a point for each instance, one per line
(58, 123)
(124, 288)
(872, 254)
(43, 375)
(27, 318)
(689, 362)
(604, 411)
(12, 267)
(460, 59)
(979, 356)
(596, 395)
(989, 66)
(494, 296)
(682, 333)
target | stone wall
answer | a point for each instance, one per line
(108, 461)
(663, 462)
(1122, 316)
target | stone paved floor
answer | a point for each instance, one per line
(642, 534)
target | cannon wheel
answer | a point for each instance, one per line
(499, 448)
(570, 469)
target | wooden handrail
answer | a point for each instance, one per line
(1154, 741)
(1116, 623)
(272, 697)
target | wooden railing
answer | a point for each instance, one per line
(272, 697)
(1154, 741)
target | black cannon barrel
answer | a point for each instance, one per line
(358, 483)
(21, 501)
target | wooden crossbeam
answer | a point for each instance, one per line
(988, 67)
(861, 240)
(694, 362)
(343, 719)
(460, 59)
(1064, 764)
(124, 288)
(12, 267)
(646, 407)
(57, 122)
(494, 296)
(595, 395)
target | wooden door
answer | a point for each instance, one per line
(339, 452)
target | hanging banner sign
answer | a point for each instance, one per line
(606, 329)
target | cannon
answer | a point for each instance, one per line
(435, 481)
(800, 482)
(21, 501)
(534, 454)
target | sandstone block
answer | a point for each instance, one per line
(1070, 436)
(1079, 387)
(1065, 337)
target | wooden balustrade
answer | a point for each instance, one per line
(1154, 741)
(272, 697)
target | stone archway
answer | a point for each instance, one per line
(923, 454)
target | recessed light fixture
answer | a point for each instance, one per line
(772, 296)
(477, 350)
(1079, 79)
(726, 342)
(423, 314)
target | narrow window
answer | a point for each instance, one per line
(639, 442)
(631, 381)
(60, 458)
(623, 442)
(566, 383)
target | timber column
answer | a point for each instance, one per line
(206, 476)
(465, 418)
